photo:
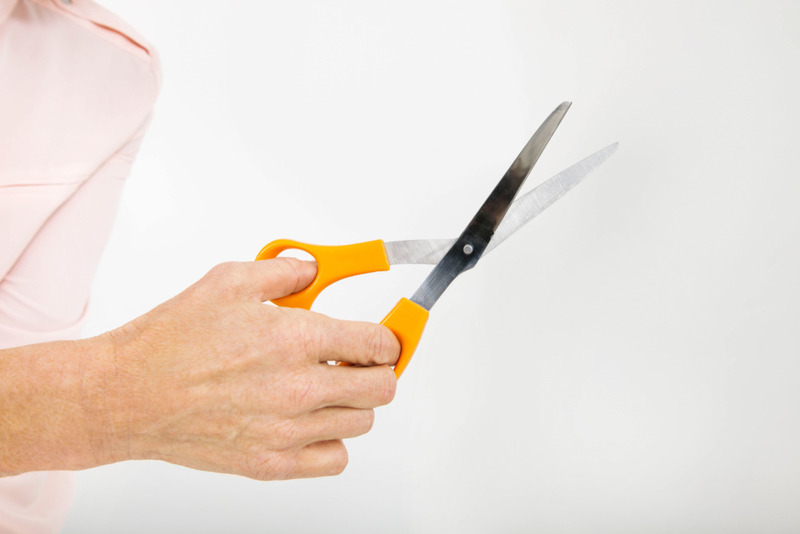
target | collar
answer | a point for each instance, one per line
(6, 7)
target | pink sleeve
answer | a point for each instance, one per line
(44, 295)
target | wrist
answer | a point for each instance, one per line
(104, 400)
(130, 413)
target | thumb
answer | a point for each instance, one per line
(275, 278)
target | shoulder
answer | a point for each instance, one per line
(81, 83)
(102, 23)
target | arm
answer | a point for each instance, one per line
(212, 379)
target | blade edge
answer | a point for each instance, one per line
(521, 212)
(533, 203)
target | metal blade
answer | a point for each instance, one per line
(417, 251)
(544, 195)
(521, 212)
(472, 242)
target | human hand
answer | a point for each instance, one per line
(216, 380)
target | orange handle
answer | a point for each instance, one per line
(333, 264)
(406, 321)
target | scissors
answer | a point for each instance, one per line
(497, 219)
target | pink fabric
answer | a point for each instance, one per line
(77, 87)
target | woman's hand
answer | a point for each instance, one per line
(212, 379)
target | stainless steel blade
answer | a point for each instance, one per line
(472, 242)
(417, 251)
(521, 212)
(545, 194)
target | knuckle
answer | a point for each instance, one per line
(287, 271)
(314, 338)
(290, 266)
(280, 267)
(227, 277)
(302, 393)
(286, 434)
(220, 270)
(305, 394)
(281, 331)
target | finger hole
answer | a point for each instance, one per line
(296, 253)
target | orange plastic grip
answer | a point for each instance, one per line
(333, 264)
(407, 322)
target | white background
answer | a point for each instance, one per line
(629, 362)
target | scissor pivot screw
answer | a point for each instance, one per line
(468, 249)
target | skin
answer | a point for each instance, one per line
(212, 379)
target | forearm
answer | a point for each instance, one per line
(54, 406)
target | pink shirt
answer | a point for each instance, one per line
(77, 87)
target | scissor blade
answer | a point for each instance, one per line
(417, 251)
(545, 194)
(472, 242)
(521, 212)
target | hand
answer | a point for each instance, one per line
(216, 380)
